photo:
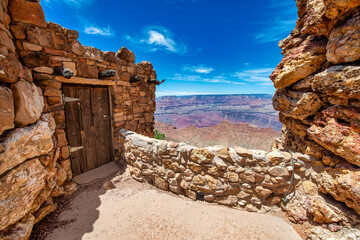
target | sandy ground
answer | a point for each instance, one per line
(140, 211)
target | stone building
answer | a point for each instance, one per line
(66, 109)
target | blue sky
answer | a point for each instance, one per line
(198, 46)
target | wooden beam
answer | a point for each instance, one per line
(87, 81)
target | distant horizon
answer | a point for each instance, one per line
(214, 94)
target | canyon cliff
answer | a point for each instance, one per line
(209, 110)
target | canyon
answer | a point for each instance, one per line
(225, 133)
(209, 110)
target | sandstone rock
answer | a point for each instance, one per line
(27, 12)
(343, 45)
(212, 182)
(299, 63)
(199, 180)
(126, 55)
(278, 171)
(6, 41)
(309, 188)
(18, 189)
(243, 152)
(233, 177)
(298, 105)
(201, 156)
(313, 21)
(9, 68)
(161, 183)
(32, 47)
(336, 129)
(275, 157)
(322, 212)
(39, 36)
(20, 230)
(77, 48)
(46, 70)
(248, 176)
(44, 211)
(6, 109)
(263, 192)
(343, 183)
(294, 125)
(25, 143)
(35, 59)
(340, 81)
(335, 9)
(87, 71)
(224, 153)
(29, 103)
(71, 66)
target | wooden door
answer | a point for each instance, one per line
(88, 127)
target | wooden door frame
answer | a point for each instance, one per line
(112, 155)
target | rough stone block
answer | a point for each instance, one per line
(27, 12)
(6, 109)
(28, 103)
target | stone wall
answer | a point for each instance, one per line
(253, 180)
(34, 153)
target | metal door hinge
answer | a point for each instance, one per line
(74, 149)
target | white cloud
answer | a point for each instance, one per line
(158, 38)
(198, 69)
(99, 31)
(197, 78)
(259, 76)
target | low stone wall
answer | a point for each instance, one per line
(251, 179)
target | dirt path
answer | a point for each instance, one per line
(140, 211)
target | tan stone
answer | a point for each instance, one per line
(212, 182)
(77, 48)
(299, 63)
(126, 54)
(27, 12)
(32, 47)
(20, 230)
(343, 184)
(29, 103)
(263, 192)
(199, 180)
(243, 152)
(46, 70)
(278, 171)
(310, 188)
(6, 109)
(248, 176)
(224, 154)
(18, 189)
(10, 68)
(161, 183)
(298, 105)
(343, 45)
(233, 177)
(201, 156)
(25, 143)
(44, 211)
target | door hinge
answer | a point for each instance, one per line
(69, 99)
(74, 149)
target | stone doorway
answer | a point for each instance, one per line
(88, 126)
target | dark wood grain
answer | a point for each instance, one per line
(88, 125)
